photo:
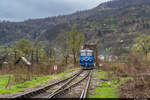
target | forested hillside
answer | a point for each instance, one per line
(113, 25)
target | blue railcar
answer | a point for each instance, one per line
(87, 59)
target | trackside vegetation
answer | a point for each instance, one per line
(108, 88)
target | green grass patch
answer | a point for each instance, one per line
(4, 80)
(70, 70)
(104, 90)
(60, 75)
(19, 87)
(107, 89)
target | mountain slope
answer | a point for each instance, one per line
(106, 24)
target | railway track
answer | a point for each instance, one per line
(61, 87)
(41, 90)
(64, 91)
(85, 90)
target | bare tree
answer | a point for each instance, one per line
(74, 42)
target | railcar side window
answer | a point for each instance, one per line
(83, 54)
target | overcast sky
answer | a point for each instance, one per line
(19, 10)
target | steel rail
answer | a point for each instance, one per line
(54, 95)
(66, 84)
(85, 90)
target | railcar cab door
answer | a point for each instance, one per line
(82, 56)
(90, 55)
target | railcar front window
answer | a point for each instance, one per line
(83, 54)
(89, 54)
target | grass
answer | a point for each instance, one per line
(70, 70)
(19, 87)
(100, 74)
(107, 89)
(64, 73)
(104, 90)
(3, 81)
(60, 75)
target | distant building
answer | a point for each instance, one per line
(121, 41)
(5, 63)
(24, 60)
(111, 58)
(102, 57)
